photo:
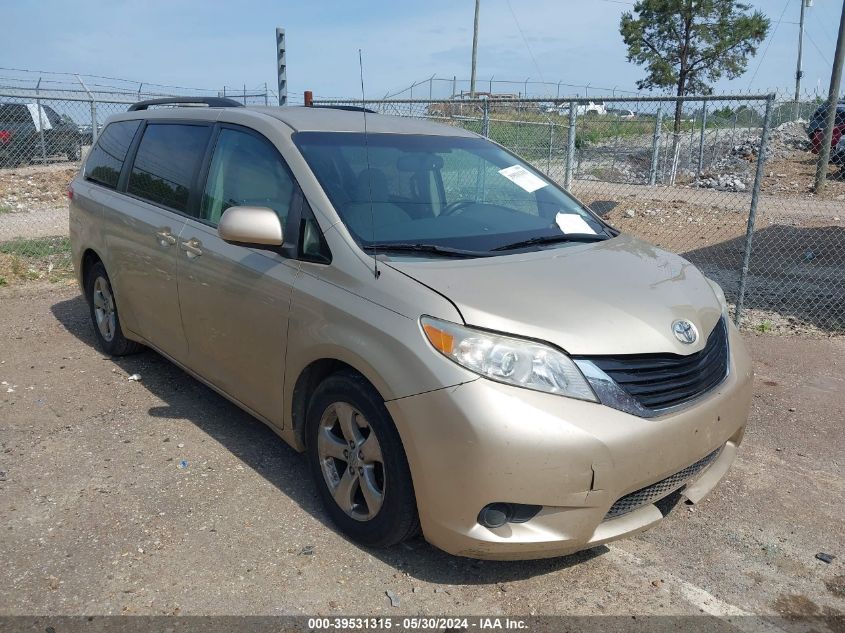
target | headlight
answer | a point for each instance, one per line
(720, 295)
(717, 290)
(509, 360)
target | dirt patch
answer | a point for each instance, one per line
(33, 188)
(836, 586)
(795, 175)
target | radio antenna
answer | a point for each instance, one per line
(376, 272)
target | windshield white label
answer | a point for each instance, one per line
(571, 223)
(524, 178)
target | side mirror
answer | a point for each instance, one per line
(251, 225)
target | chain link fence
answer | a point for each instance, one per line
(723, 181)
(59, 125)
(684, 174)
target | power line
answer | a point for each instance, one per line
(816, 46)
(771, 37)
(530, 52)
(823, 29)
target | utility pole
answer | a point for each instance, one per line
(281, 67)
(832, 99)
(474, 51)
(798, 72)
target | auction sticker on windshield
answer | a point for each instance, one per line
(571, 223)
(524, 178)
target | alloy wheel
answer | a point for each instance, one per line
(104, 312)
(351, 461)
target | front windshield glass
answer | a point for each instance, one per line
(443, 191)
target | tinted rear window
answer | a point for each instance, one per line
(167, 160)
(106, 158)
(15, 113)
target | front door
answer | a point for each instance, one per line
(235, 300)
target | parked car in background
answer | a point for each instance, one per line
(622, 113)
(815, 130)
(21, 138)
(86, 133)
(491, 363)
(591, 108)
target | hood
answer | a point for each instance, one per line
(619, 296)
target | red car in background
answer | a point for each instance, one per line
(815, 130)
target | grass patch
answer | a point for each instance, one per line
(32, 259)
(535, 135)
(5, 208)
(765, 326)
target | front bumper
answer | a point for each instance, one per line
(484, 442)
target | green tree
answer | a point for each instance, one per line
(687, 45)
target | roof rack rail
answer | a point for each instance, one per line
(349, 108)
(211, 102)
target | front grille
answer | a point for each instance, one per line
(661, 489)
(659, 381)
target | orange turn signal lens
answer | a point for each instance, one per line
(443, 341)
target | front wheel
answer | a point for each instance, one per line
(74, 152)
(104, 314)
(358, 464)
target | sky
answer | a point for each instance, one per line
(208, 44)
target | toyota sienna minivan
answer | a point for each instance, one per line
(458, 345)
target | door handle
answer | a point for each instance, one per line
(192, 248)
(165, 237)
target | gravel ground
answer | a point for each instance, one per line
(41, 223)
(99, 518)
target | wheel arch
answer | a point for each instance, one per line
(89, 258)
(307, 381)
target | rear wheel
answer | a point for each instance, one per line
(74, 151)
(104, 314)
(358, 463)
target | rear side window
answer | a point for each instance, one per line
(167, 161)
(106, 158)
(52, 115)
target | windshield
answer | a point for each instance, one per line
(445, 191)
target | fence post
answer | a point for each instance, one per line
(40, 122)
(752, 212)
(94, 132)
(485, 118)
(655, 147)
(570, 146)
(266, 102)
(692, 140)
(701, 141)
(551, 144)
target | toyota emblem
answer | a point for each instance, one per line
(685, 331)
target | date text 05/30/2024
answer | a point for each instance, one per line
(416, 623)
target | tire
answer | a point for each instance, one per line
(376, 524)
(74, 152)
(104, 315)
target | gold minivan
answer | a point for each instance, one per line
(458, 345)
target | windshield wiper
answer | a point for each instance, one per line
(433, 249)
(552, 239)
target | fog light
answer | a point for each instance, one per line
(495, 515)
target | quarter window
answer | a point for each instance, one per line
(246, 171)
(167, 161)
(106, 159)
